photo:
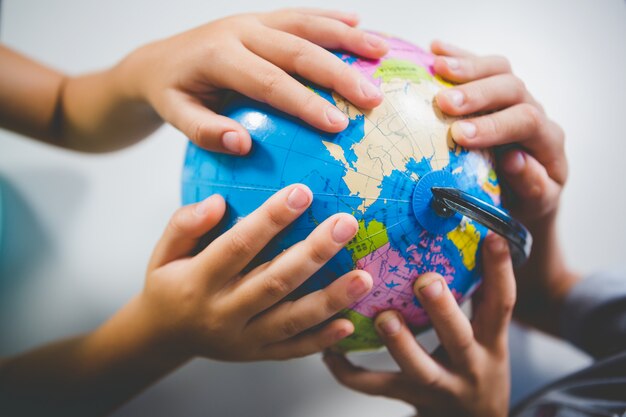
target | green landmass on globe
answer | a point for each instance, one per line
(379, 169)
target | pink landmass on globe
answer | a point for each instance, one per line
(393, 287)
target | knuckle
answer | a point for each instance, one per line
(177, 222)
(301, 53)
(239, 244)
(270, 82)
(198, 132)
(318, 253)
(275, 218)
(432, 380)
(275, 287)
(492, 126)
(332, 304)
(308, 105)
(290, 327)
(505, 64)
(507, 304)
(519, 87)
(301, 22)
(532, 116)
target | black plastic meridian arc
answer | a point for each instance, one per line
(447, 201)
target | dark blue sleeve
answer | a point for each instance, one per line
(594, 314)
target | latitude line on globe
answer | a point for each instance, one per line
(242, 187)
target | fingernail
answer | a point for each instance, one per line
(231, 141)
(340, 334)
(452, 63)
(390, 324)
(456, 97)
(496, 244)
(515, 163)
(374, 41)
(344, 230)
(298, 199)
(358, 287)
(336, 116)
(466, 130)
(431, 290)
(368, 89)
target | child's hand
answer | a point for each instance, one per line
(205, 305)
(537, 169)
(185, 77)
(471, 375)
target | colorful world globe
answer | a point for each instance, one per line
(380, 169)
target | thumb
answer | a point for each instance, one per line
(186, 227)
(493, 312)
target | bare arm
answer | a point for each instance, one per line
(94, 112)
(88, 375)
(183, 80)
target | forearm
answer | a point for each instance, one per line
(105, 111)
(545, 280)
(88, 375)
(95, 112)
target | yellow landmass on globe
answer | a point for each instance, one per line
(368, 239)
(465, 237)
(394, 69)
(407, 125)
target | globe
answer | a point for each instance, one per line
(380, 169)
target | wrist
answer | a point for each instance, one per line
(132, 337)
(546, 279)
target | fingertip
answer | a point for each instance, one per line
(496, 245)
(299, 197)
(388, 323)
(450, 101)
(513, 162)
(425, 280)
(343, 329)
(360, 285)
(337, 119)
(345, 228)
(436, 47)
(212, 204)
(463, 132)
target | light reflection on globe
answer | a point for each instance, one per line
(372, 171)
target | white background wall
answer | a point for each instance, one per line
(80, 228)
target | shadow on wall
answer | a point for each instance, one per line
(33, 210)
(23, 243)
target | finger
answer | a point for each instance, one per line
(462, 69)
(529, 181)
(409, 355)
(388, 384)
(227, 255)
(283, 275)
(299, 56)
(309, 343)
(523, 124)
(453, 328)
(185, 228)
(271, 85)
(487, 94)
(291, 318)
(349, 18)
(205, 128)
(493, 313)
(332, 34)
(442, 48)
